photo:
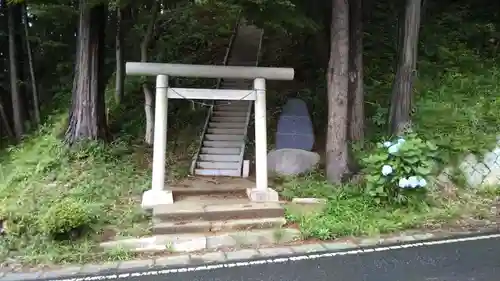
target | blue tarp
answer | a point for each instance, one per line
(295, 129)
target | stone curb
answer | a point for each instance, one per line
(216, 257)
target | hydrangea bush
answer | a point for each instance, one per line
(400, 168)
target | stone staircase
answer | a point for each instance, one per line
(222, 147)
(215, 210)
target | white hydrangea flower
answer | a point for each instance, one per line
(386, 170)
(413, 181)
(422, 182)
(393, 149)
(403, 183)
(387, 144)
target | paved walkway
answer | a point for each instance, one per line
(471, 258)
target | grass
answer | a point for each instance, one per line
(106, 180)
(348, 212)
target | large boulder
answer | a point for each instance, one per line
(289, 161)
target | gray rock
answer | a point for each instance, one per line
(289, 161)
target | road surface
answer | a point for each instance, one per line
(461, 259)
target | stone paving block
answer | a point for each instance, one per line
(493, 178)
(397, 239)
(335, 246)
(242, 254)
(12, 276)
(371, 241)
(220, 241)
(278, 251)
(209, 257)
(490, 159)
(190, 245)
(65, 271)
(308, 248)
(99, 268)
(254, 238)
(172, 261)
(134, 264)
(423, 236)
(482, 169)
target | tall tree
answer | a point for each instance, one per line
(34, 86)
(402, 88)
(120, 62)
(337, 87)
(87, 119)
(14, 69)
(356, 87)
(148, 93)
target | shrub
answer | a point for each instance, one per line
(65, 218)
(399, 169)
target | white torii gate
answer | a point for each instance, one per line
(159, 194)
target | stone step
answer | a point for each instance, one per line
(217, 212)
(230, 113)
(218, 165)
(232, 125)
(231, 107)
(226, 144)
(232, 102)
(229, 119)
(221, 151)
(216, 137)
(217, 172)
(182, 227)
(226, 131)
(207, 190)
(219, 157)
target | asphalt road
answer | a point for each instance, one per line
(469, 260)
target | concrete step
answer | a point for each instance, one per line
(230, 107)
(215, 226)
(221, 151)
(232, 125)
(223, 144)
(217, 173)
(230, 113)
(218, 157)
(208, 190)
(228, 131)
(195, 211)
(233, 102)
(217, 137)
(224, 119)
(218, 165)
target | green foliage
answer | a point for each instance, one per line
(65, 217)
(399, 169)
(313, 185)
(350, 213)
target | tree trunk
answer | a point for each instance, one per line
(402, 88)
(34, 86)
(5, 121)
(87, 119)
(148, 93)
(356, 87)
(337, 79)
(120, 62)
(16, 97)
